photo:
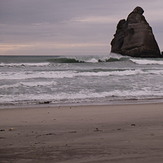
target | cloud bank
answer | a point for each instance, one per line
(68, 27)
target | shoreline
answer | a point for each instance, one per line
(127, 133)
(110, 103)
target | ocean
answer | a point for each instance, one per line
(64, 80)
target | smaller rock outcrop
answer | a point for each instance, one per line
(134, 37)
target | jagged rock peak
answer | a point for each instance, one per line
(138, 10)
(134, 37)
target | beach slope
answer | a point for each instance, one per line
(82, 134)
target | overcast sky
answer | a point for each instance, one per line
(68, 27)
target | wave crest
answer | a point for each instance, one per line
(24, 64)
(147, 61)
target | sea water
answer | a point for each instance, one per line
(79, 79)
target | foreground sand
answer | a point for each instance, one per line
(82, 134)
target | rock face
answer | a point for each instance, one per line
(134, 37)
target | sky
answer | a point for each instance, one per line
(69, 27)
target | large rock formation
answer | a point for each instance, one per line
(134, 37)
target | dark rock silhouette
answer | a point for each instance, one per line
(134, 37)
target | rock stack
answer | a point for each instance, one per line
(134, 37)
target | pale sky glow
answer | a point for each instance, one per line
(47, 46)
(7, 48)
(97, 19)
(68, 27)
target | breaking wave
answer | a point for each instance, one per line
(94, 59)
(28, 84)
(45, 61)
(72, 74)
(148, 61)
(82, 95)
(65, 60)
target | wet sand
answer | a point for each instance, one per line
(82, 134)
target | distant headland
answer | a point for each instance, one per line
(134, 37)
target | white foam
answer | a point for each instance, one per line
(147, 62)
(34, 75)
(52, 97)
(82, 95)
(70, 74)
(130, 93)
(112, 73)
(93, 60)
(24, 64)
(37, 84)
(115, 55)
(28, 84)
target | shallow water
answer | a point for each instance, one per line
(79, 79)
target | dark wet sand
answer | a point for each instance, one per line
(82, 134)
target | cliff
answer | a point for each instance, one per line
(134, 37)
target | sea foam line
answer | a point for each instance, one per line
(24, 64)
(147, 62)
(28, 84)
(82, 95)
(72, 74)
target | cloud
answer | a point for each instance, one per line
(68, 26)
(95, 19)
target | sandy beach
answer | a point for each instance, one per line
(82, 134)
